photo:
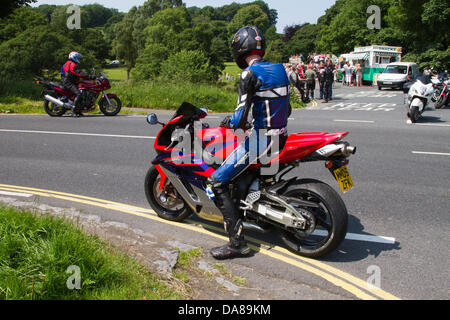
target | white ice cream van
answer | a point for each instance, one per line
(396, 74)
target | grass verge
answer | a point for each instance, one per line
(162, 95)
(36, 252)
(15, 104)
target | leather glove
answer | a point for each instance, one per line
(226, 122)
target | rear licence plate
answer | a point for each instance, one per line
(343, 178)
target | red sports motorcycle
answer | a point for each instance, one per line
(58, 100)
(310, 215)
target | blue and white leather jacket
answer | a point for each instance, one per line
(264, 87)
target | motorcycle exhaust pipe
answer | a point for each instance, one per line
(54, 100)
(350, 150)
(253, 227)
(347, 150)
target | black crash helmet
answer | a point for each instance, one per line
(246, 42)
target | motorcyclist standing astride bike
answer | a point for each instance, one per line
(264, 88)
(70, 74)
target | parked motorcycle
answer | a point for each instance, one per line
(309, 215)
(437, 84)
(58, 100)
(442, 98)
(419, 95)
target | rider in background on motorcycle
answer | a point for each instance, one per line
(70, 74)
(264, 89)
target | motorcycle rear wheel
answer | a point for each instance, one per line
(331, 219)
(53, 110)
(170, 209)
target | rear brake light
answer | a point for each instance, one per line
(329, 164)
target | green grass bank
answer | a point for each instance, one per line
(37, 251)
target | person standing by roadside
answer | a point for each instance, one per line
(310, 82)
(321, 78)
(293, 79)
(302, 81)
(329, 79)
(358, 75)
(348, 74)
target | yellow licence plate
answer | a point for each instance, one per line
(343, 178)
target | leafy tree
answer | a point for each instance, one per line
(272, 14)
(109, 27)
(304, 40)
(97, 15)
(18, 21)
(8, 6)
(276, 51)
(289, 31)
(271, 34)
(46, 9)
(32, 51)
(148, 64)
(251, 15)
(124, 46)
(192, 66)
(348, 27)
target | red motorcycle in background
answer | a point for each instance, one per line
(58, 100)
(309, 215)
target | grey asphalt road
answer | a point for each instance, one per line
(401, 174)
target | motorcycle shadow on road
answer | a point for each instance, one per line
(430, 119)
(348, 251)
(357, 250)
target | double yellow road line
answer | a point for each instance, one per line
(359, 288)
(313, 103)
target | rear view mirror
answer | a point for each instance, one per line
(152, 119)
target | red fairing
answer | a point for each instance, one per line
(87, 85)
(220, 141)
(299, 145)
(64, 92)
(162, 175)
(93, 86)
(163, 148)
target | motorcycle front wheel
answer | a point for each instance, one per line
(110, 109)
(53, 110)
(413, 114)
(166, 202)
(440, 102)
(329, 219)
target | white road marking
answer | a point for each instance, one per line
(360, 237)
(16, 194)
(78, 134)
(432, 124)
(361, 121)
(358, 106)
(432, 153)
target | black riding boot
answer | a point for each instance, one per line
(237, 247)
(76, 110)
